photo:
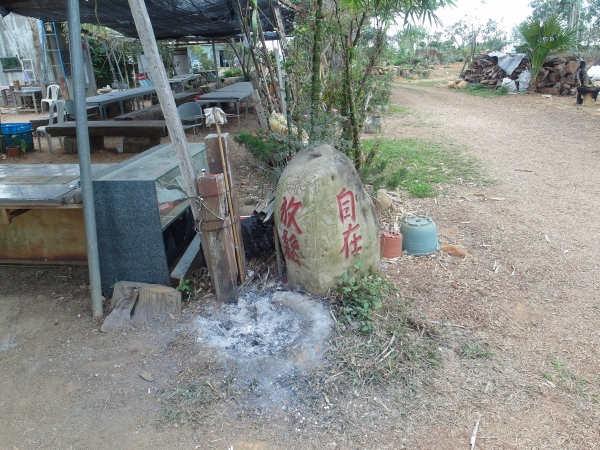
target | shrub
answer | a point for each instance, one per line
(261, 144)
(233, 72)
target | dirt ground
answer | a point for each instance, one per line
(528, 289)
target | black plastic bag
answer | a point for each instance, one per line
(258, 237)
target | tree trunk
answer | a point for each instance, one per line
(316, 66)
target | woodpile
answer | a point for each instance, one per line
(558, 76)
(484, 70)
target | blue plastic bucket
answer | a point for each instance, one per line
(419, 235)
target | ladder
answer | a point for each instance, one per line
(53, 63)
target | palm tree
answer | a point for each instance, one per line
(542, 37)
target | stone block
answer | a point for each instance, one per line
(139, 144)
(70, 144)
(325, 219)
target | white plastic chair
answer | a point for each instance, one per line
(191, 112)
(51, 95)
(59, 107)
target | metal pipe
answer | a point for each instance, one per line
(212, 41)
(85, 165)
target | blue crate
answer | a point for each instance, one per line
(16, 138)
(14, 128)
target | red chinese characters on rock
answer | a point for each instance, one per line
(288, 221)
(347, 213)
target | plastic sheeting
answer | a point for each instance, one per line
(507, 62)
(171, 19)
(258, 237)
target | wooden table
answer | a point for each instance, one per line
(233, 93)
(154, 128)
(139, 135)
(118, 97)
(28, 92)
(42, 215)
(181, 79)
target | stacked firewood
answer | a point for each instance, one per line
(485, 71)
(558, 76)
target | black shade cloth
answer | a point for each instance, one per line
(171, 19)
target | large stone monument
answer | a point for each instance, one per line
(325, 219)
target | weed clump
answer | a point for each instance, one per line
(360, 295)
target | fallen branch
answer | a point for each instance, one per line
(435, 322)
(474, 435)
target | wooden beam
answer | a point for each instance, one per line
(217, 238)
(167, 103)
(8, 215)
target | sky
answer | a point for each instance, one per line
(512, 12)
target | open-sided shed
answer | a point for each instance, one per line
(151, 19)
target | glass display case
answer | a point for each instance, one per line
(143, 216)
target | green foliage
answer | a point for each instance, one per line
(124, 49)
(185, 288)
(415, 165)
(262, 144)
(543, 36)
(481, 91)
(11, 63)
(476, 350)
(233, 72)
(360, 294)
(403, 347)
(567, 379)
(206, 62)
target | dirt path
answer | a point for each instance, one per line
(529, 289)
(540, 308)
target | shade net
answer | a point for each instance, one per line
(171, 19)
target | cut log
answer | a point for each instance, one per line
(571, 66)
(570, 79)
(553, 76)
(134, 303)
(156, 301)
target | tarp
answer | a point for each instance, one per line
(507, 62)
(171, 19)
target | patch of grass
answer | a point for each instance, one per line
(399, 110)
(261, 144)
(416, 165)
(197, 390)
(402, 347)
(476, 350)
(480, 91)
(566, 379)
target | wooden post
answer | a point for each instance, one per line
(260, 112)
(217, 238)
(268, 61)
(215, 165)
(212, 41)
(282, 101)
(167, 103)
